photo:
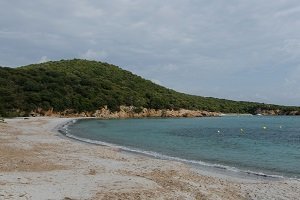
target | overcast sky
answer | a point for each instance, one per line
(236, 49)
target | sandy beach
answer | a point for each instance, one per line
(37, 162)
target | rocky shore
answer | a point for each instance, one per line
(134, 112)
(126, 112)
(277, 112)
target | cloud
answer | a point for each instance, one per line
(170, 67)
(43, 59)
(94, 55)
(241, 47)
(156, 81)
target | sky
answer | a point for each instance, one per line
(233, 49)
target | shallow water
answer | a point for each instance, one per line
(254, 144)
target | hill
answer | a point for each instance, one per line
(84, 86)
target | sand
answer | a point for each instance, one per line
(37, 162)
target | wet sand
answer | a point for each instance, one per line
(37, 162)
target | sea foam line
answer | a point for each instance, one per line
(166, 157)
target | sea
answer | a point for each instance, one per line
(267, 146)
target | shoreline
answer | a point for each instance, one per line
(217, 170)
(38, 163)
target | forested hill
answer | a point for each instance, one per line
(84, 85)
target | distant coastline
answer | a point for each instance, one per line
(131, 112)
(126, 112)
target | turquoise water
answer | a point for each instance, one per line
(253, 144)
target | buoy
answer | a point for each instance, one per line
(218, 131)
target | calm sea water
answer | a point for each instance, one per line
(254, 144)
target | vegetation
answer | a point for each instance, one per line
(89, 85)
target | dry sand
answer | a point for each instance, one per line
(36, 162)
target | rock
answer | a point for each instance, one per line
(125, 112)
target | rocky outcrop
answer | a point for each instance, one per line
(129, 112)
(133, 112)
(126, 112)
(294, 113)
(276, 112)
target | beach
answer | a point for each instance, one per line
(37, 162)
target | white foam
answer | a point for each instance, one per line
(65, 130)
(166, 157)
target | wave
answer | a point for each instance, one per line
(64, 130)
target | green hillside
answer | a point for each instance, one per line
(89, 85)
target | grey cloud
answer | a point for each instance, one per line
(246, 50)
